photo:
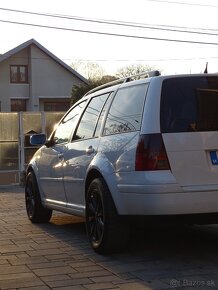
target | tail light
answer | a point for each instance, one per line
(151, 153)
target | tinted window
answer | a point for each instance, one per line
(67, 125)
(126, 110)
(189, 104)
(100, 119)
(90, 117)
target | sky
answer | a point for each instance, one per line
(174, 36)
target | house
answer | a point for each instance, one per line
(34, 79)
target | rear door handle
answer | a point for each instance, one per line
(90, 150)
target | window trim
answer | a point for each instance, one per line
(18, 80)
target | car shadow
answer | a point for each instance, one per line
(156, 238)
(159, 252)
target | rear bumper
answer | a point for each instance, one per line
(173, 203)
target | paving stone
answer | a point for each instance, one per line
(77, 287)
(100, 286)
(16, 276)
(43, 265)
(57, 255)
(36, 288)
(5, 269)
(90, 274)
(55, 278)
(26, 260)
(136, 286)
(89, 268)
(60, 256)
(53, 271)
(45, 253)
(20, 282)
(71, 282)
(4, 262)
(111, 278)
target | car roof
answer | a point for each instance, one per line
(127, 79)
(137, 79)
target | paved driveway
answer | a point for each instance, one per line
(57, 256)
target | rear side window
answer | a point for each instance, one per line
(88, 122)
(189, 104)
(126, 110)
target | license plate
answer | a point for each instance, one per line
(213, 156)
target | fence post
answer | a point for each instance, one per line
(43, 121)
(21, 145)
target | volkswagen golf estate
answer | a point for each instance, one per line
(134, 147)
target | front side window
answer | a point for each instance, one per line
(126, 110)
(189, 104)
(19, 73)
(68, 125)
(88, 122)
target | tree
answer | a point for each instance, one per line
(133, 70)
(90, 70)
(78, 91)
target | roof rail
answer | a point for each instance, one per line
(147, 74)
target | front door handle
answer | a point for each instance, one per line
(90, 150)
(60, 156)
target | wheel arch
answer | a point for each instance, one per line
(36, 212)
(25, 174)
(92, 174)
(29, 169)
(110, 182)
(32, 167)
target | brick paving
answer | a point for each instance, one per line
(57, 255)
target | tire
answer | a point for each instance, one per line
(106, 230)
(36, 212)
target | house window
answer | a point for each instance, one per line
(18, 105)
(56, 106)
(19, 73)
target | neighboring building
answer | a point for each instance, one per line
(33, 79)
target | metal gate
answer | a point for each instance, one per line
(15, 148)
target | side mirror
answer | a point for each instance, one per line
(38, 139)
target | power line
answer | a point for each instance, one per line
(121, 23)
(111, 34)
(122, 60)
(148, 60)
(184, 3)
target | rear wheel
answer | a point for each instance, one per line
(106, 230)
(36, 212)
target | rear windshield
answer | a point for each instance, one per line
(189, 104)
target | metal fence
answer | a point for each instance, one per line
(15, 148)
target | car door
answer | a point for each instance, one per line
(52, 158)
(81, 151)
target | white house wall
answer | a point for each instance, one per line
(50, 79)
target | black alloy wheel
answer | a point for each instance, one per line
(106, 230)
(36, 212)
(95, 218)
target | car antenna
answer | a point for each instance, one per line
(205, 71)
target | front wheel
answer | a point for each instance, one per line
(107, 231)
(36, 212)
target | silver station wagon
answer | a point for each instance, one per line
(134, 147)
